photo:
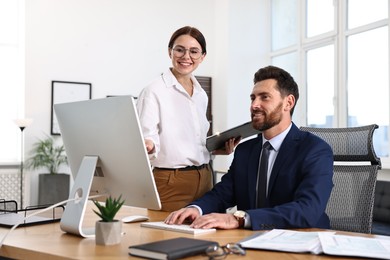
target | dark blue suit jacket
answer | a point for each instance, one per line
(299, 187)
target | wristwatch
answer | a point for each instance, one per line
(240, 216)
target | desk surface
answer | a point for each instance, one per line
(49, 242)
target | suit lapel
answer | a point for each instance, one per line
(252, 170)
(286, 150)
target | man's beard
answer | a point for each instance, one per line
(270, 120)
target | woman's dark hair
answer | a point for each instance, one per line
(285, 82)
(193, 32)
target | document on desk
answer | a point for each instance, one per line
(285, 240)
(341, 245)
(323, 242)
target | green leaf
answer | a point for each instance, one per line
(108, 211)
(45, 154)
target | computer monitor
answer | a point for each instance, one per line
(106, 154)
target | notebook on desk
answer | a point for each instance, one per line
(183, 228)
(24, 217)
(11, 219)
(175, 248)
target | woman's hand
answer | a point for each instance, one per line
(229, 147)
(149, 146)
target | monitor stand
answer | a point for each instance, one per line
(72, 218)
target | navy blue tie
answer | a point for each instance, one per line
(262, 175)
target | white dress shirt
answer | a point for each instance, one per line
(276, 142)
(175, 122)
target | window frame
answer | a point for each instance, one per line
(338, 37)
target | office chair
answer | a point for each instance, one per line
(350, 206)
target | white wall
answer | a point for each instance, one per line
(242, 50)
(121, 45)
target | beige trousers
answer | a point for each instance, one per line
(178, 188)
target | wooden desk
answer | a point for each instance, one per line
(49, 242)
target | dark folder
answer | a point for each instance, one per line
(217, 141)
(171, 248)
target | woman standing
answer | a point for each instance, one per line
(172, 112)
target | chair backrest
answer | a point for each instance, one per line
(381, 211)
(350, 207)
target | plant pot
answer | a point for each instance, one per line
(108, 233)
(53, 188)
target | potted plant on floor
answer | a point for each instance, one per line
(53, 186)
(108, 230)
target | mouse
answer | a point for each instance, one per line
(134, 218)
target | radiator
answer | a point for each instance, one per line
(10, 185)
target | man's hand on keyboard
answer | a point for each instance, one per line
(213, 220)
(183, 215)
(216, 220)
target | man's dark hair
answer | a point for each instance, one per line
(286, 84)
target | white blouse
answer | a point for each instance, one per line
(175, 122)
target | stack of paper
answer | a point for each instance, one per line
(319, 242)
(286, 240)
(355, 246)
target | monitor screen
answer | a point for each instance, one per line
(106, 153)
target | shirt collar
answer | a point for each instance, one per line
(277, 141)
(171, 81)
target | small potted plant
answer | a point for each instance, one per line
(45, 155)
(108, 230)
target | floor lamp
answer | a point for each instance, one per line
(22, 124)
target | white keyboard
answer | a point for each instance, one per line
(184, 228)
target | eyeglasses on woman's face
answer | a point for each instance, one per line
(180, 51)
(220, 252)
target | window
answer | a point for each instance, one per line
(11, 78)
(340, 51)
(320, 90)
(284, 23)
